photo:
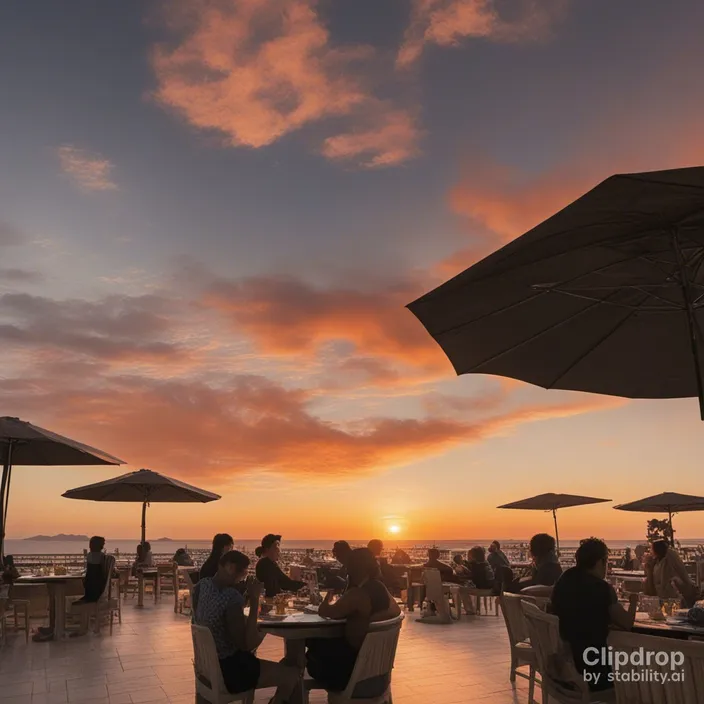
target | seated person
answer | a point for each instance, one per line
(389, 576)
(496, 557)
(401, 557)
(640, 553)
(182, 558)
(662, 567)
(222, 543)
(268, 571)
(330, 661)
(626, 562)
(218, 605)
(435, 563)
(460, 568)
(480, 571)
(341, 551)
(9, 571)
(99, 570)
(144, 558)
(587, 606)
(546, 568)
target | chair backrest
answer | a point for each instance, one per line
(109, 568)
(686, 688)
(433, 586)
(557, 670)
(377, 654)
(205, 660)
(513, 617)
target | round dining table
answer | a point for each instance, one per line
(295, 628)
(56, 586)
(670, 627)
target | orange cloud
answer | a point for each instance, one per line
(256, 71)
(447, 22)
(285, 316)
(392, 141)
(249, 424)
(90, 172)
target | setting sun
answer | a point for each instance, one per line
(394, 529)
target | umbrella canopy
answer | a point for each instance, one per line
(551, 502)
(668, 502)
(606, 296)
(143, 486)
(22, 443)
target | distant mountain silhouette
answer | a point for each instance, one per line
(60, 537)
(164, 540)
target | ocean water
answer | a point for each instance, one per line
(32, 547)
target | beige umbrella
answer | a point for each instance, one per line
(552, 502)
(22, 443)
(668, 502)
(145, 487)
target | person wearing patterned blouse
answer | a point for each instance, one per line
(218, 605)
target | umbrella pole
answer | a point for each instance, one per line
(672, 532)
(691, 321)
(557, 537)
(144, 523)
(4, 498)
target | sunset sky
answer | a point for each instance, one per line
(213, 212)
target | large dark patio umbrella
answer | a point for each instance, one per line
(667, 502)
(22, 443)
(606, 296)
(144, 487)
(552, 502)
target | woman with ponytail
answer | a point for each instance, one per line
(222, 543)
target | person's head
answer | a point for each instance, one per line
(96, 543)
(181, 551)
(362, 565)
(495, 546)
(433, 554)
(457, 559)
(140, 551)
(541, 545)
(147, 547)
(627, 553)
(232, 567)
(477, 554)
(270, 547)
(641, 550)
(376, 547)
(593, 556)
(659, 548)
(222, 543)
(341, 551)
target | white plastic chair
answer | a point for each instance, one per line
(436, 594)
(375, 658)
(688, 691)
(558, 675)
(522, 652)
(209, 681)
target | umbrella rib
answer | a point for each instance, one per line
(595, 346)
(455, 328)
(634, 177)
(538, 334)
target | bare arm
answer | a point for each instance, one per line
(622, 618)
(243, 629)
(353, 601)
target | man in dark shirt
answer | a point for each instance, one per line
(587, 606)
(435, 563)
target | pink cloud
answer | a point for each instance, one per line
(89, 171)
(256, 71)
(447, 23)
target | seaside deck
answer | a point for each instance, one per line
(148, 659)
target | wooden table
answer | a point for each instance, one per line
(56, 586)
(670, 628)
(627, 574)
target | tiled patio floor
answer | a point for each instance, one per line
(148, 659)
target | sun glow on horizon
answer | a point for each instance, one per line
(394, 529)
